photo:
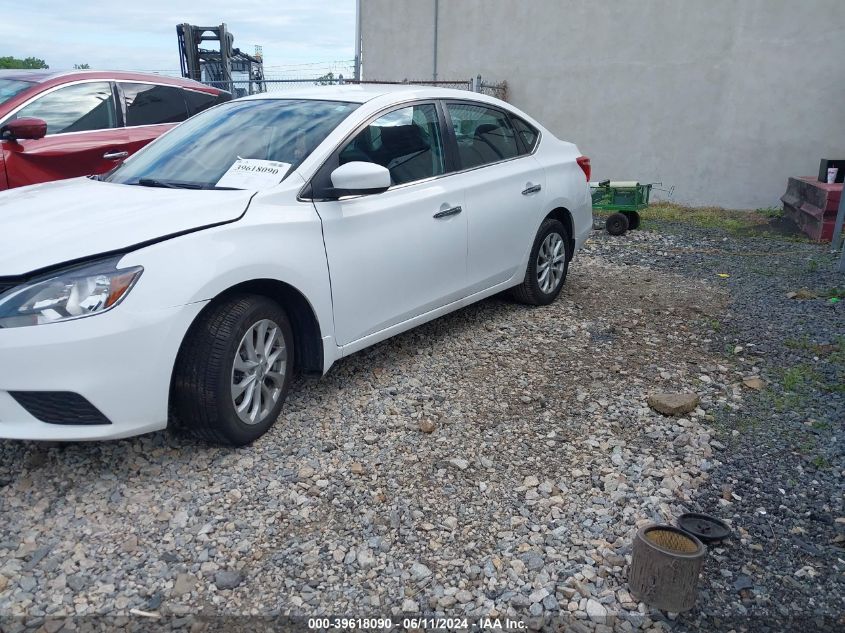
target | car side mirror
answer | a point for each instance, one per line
(25, 127)
(358, 178)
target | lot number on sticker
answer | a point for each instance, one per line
(253, 173)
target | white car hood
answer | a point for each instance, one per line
(58, 222)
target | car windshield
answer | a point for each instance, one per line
(10, 87)
(246, 144)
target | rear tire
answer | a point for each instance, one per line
(617, 224)
(537, 289)
(244, 344)
(633, 220)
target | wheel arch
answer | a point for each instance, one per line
(308, 341)
(564, 216)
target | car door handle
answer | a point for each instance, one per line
(531, 189)
(445, 213)
(115, 155)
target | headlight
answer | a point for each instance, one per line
(72, 293)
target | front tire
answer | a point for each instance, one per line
(548, 265)
(233, 371)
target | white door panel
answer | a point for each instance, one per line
(390, 259)
(501, 218)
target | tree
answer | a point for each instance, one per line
(29, 62)
(326, 80)
(81, 67)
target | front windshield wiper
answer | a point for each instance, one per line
(168, 184)
(152, 182)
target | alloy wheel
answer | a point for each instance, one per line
(551, 261)
(258, 371)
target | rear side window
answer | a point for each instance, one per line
(484, 135)
(407, 141)
(527, 133)
(151, 104)
(198, 101)
(76, 108)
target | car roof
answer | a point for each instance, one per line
(386, 95)
(361, 93)
(62, 76)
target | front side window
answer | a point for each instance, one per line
(484, 135)
(198, 152)
(77, 108)
(408, 142)
(151, 104)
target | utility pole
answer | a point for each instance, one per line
(357, 40)
(436, 21)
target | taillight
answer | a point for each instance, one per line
(584, 164)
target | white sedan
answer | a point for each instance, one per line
(268, 235)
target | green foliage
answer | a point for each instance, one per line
(81, 67)
(29, 62)
(772, 213)
(738, 223)
(705, 217)
(326, 80)
(820, 462)
(797, 378)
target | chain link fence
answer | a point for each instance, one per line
(243, 87)
(476, 84)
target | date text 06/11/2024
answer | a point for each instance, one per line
(421, 623)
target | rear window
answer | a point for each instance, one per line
(527, 133)
(151, 104)
(11, 87)
(198, 101)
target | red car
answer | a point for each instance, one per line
(57, 125)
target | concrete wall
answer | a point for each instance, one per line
(724, 99)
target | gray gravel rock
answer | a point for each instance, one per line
(227, 579)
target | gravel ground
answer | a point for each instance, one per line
(495, 462)
(781, 482)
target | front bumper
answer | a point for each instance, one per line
(120, 361)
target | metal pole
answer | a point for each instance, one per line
(436, 12)
(357, 40)
(840, 217)
(842, 259)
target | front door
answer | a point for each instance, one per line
(399, 254)
(83, 136)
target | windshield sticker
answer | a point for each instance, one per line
(253, 173)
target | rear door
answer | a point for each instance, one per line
(398, 254)
(149, 110)
(504, 189)
(82, 130)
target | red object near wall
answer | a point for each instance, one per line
(812, 205)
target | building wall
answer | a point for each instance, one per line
(722, 99)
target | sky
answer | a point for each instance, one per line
(141, 35)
